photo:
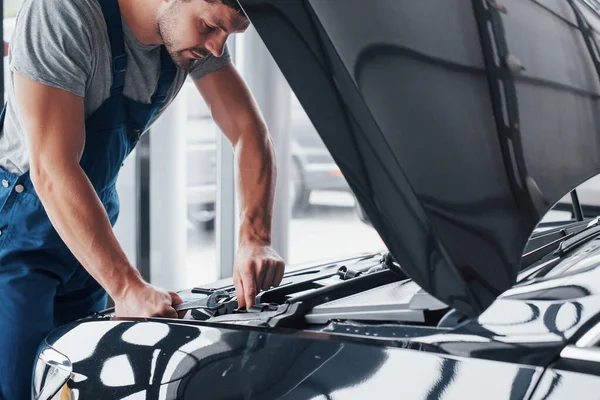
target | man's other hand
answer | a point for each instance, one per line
(257, 267)
(145, 300)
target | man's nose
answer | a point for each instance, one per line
(216, 45)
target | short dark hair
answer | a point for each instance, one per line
(230, 3)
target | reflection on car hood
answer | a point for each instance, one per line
(456, 124)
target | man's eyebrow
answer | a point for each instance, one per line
(221, 25)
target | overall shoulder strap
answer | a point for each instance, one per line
(168, 71)
(112, 16)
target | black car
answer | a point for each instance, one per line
(457, 124)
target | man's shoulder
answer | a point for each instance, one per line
(66, 26)
(55, 42)
(77, 14)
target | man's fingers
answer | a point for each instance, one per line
(272, 274)
(176, 299)
(239, 291)
(171, 313)
(279, 272)
(269, 273)
(165, 312)
(249, 283)
(263, 276)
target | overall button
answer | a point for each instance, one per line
(137, 132)
(0, 232)
(19, 188)
(5, 183)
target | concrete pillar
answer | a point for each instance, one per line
(168, 197)
(272, 94)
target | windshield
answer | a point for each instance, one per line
(588, 196)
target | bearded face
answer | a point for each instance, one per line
(194, 29)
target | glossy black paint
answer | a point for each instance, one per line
(452, 149)
(171, 361)
(559, 384)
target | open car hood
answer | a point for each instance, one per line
(453, 149)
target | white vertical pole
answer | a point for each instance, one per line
(168, 197)
(227, 220)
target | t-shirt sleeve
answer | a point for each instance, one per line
(52, 44)
(210, 64)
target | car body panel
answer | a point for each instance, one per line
(398, 102)
(566, 385)
(115, 359)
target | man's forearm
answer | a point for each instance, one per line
(80, 219)
(256, 181)
(257, 265)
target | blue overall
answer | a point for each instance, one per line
(41, 283)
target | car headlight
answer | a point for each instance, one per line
(51, 373)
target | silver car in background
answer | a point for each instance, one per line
(312, 167)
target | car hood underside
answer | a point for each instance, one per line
(454, 151)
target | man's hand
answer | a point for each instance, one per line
(145, 300)
(257, 267)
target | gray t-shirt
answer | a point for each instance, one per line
(64, 44)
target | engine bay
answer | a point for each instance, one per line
(367, 290)
(370, 289)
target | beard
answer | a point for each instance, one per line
(166, 27)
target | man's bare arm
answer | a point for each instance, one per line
(235, 112)
(55, 126)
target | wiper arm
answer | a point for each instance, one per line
(546, 243)
(579, 238)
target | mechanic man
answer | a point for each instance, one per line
(88, 77)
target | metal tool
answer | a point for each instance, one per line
(213, 302)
